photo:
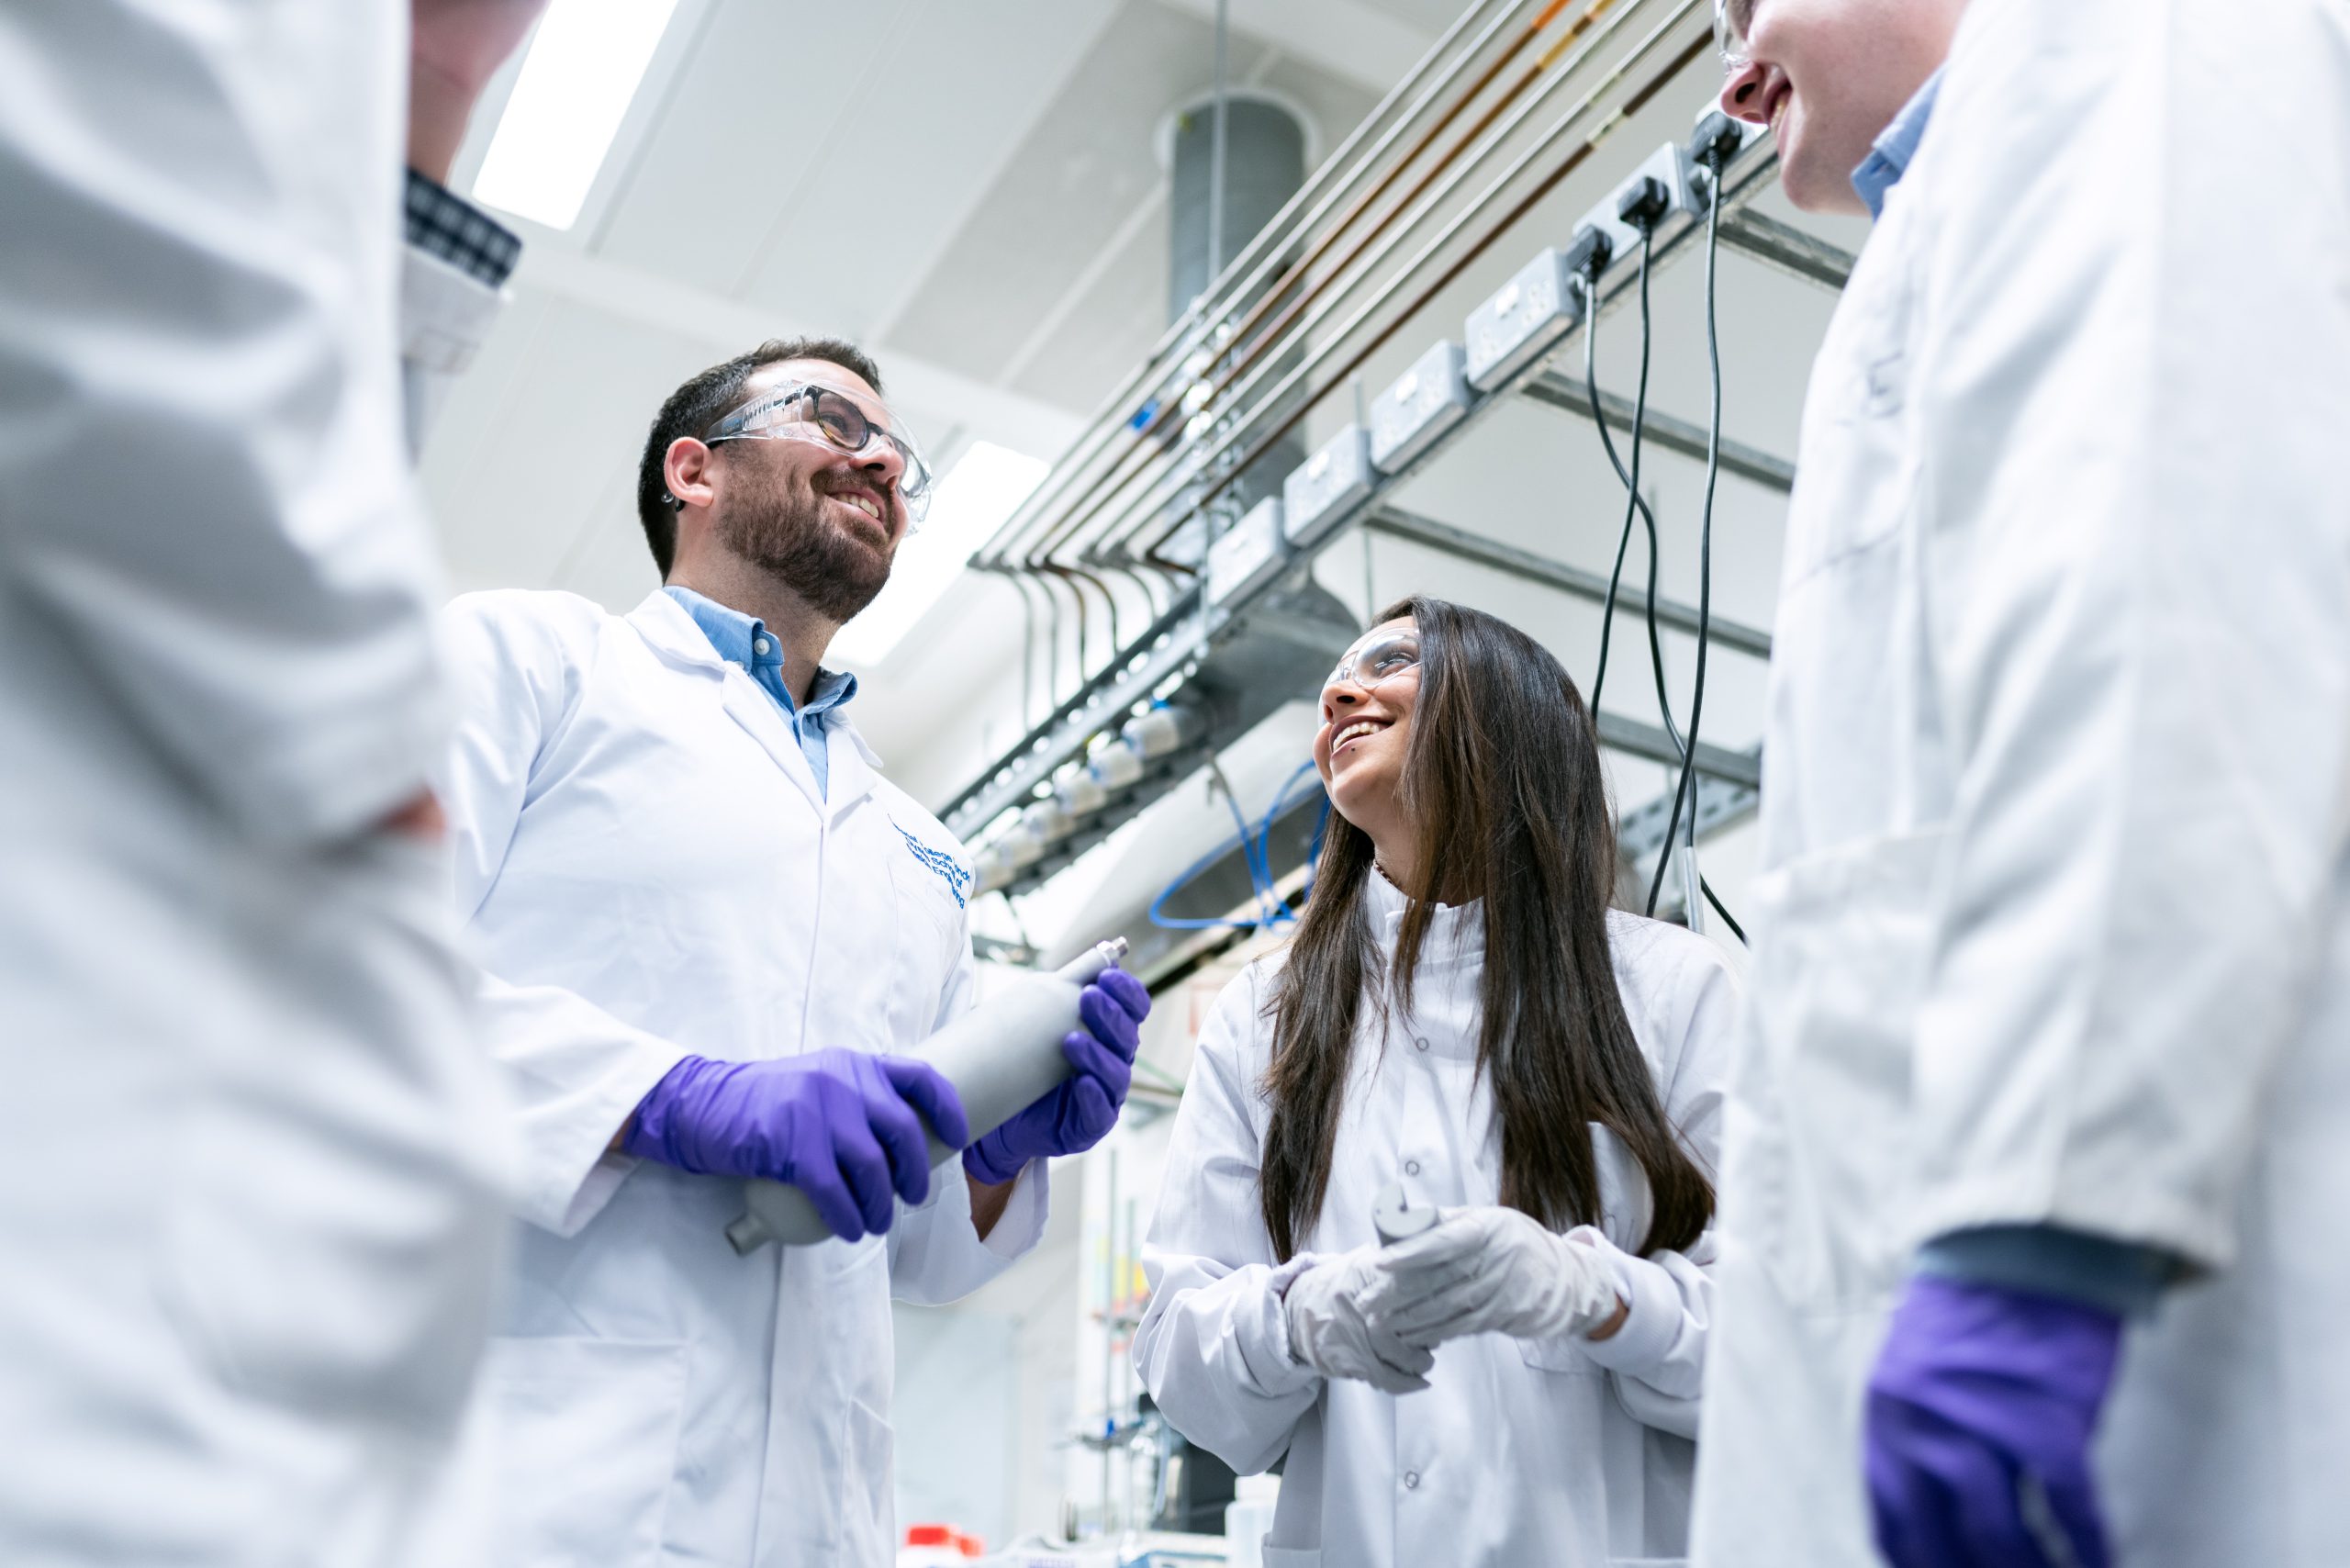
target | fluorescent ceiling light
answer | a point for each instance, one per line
(585, 63)
(978, 494)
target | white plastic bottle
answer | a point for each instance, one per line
(1001, 1057)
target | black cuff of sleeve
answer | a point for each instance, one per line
(443, 224)
(2120, 1277)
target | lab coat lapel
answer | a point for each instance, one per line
(850, 765)
(757, 713)
(671, 632)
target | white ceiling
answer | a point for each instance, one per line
(972, 191)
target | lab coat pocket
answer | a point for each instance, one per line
(1561, 1354)
(1816, 1138)
(928, 938)
(868, 1532)
(587, 1435)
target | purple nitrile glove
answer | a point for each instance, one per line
(838, 1124)
(1980, 1413)
(1081, 1110)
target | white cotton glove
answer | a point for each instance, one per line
(1329, 1331)
(1490, 1271)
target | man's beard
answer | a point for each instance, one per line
(788, 536)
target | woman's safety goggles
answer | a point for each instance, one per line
(1377, 660)
(832, 419)
(1733, 20)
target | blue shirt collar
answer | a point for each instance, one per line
(1890, 158)
(737, 637)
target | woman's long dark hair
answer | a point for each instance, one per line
(1501, 779)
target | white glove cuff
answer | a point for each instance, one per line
(1654, 1315)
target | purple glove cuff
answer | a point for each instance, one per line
(990, 1163)
(1980, 1414)
(654, 1133)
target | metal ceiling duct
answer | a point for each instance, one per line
(1224, 190)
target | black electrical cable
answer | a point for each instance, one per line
(1685, 791)
(1728, 919)
(1635, 506)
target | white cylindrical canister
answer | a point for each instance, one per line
(1115, 765)
(1002, 1058)
(1163, 730)
(1049, 820)
(1080, 794)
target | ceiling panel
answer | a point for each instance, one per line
(1084, 168)
(1430, 16)
(817, 157)
(766, 84)
(531, 446)
(896, 177)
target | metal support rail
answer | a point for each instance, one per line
(1788, 249)
(1557, 389)
(1636, 739)
(1721, 804)
(1163, 650)
(1397, 524)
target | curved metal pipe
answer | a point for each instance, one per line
(1240, 425)
(1075, 522)
(1183, 336)
(1549, 182)
(1167, 492)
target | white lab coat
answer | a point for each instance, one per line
(2048, 920)
(648, 869)
(1550, 1453)
(250, 1212)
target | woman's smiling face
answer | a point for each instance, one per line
(1366, 729)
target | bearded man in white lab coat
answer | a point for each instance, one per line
(711, 924)
(251, 1215)
(2037, 1159)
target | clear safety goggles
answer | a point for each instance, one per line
(1733, 20)
(1376, 660)
(838, 421)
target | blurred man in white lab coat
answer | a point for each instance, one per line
(249, 1219)
(2036, 1163)
(713, 929)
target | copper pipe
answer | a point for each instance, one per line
(1494, 111)
(1288, 384)
(1121, 472)
(1182, 336)
(1568, 165)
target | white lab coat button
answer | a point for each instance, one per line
(1411, 1480)
(1422, 1042)
(1411, 1167)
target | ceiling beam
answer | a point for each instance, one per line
(1345, 38)
(986, 411)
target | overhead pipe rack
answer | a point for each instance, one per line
(1187, 628)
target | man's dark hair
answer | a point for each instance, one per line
(701, 403)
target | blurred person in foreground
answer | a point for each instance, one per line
(2040, 1138)
(250, 1218)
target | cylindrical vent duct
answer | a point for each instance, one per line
(1264, 164)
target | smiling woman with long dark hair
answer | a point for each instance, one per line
(1462, 1015)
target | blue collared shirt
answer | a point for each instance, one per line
(1890, 158)
(743, 639)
